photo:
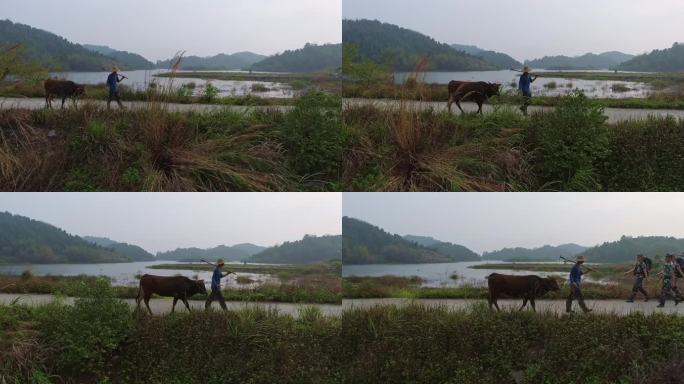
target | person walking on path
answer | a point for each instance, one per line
(640, 272)
(668, 275)
(575, 282)
(524, 84)
(113, 81)
(216, 286)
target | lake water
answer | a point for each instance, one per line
(439, 275)
(592, 88)
(141, 79)
(125, 274)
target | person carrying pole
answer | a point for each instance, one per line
(575, 282)
(113, 81)
(524, 85)
(216, 285)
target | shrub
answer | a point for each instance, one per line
(313, 139)
(569, 144)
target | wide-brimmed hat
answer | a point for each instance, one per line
(526, 69)
(115, 69)
(580, 258)
(220, 262)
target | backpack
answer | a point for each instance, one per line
(649, 263)
(679, 261)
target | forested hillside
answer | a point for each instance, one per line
(659, 60)
(24, 240)
(235, 61)
(402, 48)
(311, 249)
(229, 253)
(498, 59)
(134, 252)
(311, 58)
(545, 253)
(364, 243)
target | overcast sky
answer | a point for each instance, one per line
(157, 29)
(491, 221)
(529, 29)
(166, 221)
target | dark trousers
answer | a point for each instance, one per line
(575, 294)
(669, 291)
(527, 100)
(638, 287)
(216, 295)
(114, 96)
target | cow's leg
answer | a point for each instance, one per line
(491, 300)
(147, 302)
(185, 301)
(451, 101)
(534, 308)
(458, 104)
(63, 101)
(479, 107)
(175, 300)
(524, 304)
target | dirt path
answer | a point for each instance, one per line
(34, 103)
(614, 114)
(557, 306)
(163, 305)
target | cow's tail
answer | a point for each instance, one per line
(138, 297)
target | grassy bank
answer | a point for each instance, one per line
(152, 149)
(309, 288)
(100, 340)
(572, 148)
(410, 288)
(434, 345)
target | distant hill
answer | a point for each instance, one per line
(364, 243)
(53, 51)
(627, 248)
(498, 59)
(664, 60)
(545, 253)
(311, 249)
(402, 48)
(127, 59)
(24, 240)
(454, 251)
(235, 61)
(238, 252)
(606, 60)
(311, 58)
(133, 252)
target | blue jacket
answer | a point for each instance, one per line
(524, 84)
(112, 82)
(576, 275)
(216, 279)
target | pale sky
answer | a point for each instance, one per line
(166, 221)
(157, 29)
(529, 29)
(491, 221)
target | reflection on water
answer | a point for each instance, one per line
(592, 88)
(439, 275)
(141, 80)
(127, 274)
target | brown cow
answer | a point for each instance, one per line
(62, 88)
(478, 91)
(525, 287)
(178, 287)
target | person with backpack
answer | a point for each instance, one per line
(640, 271)
(668, 277)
